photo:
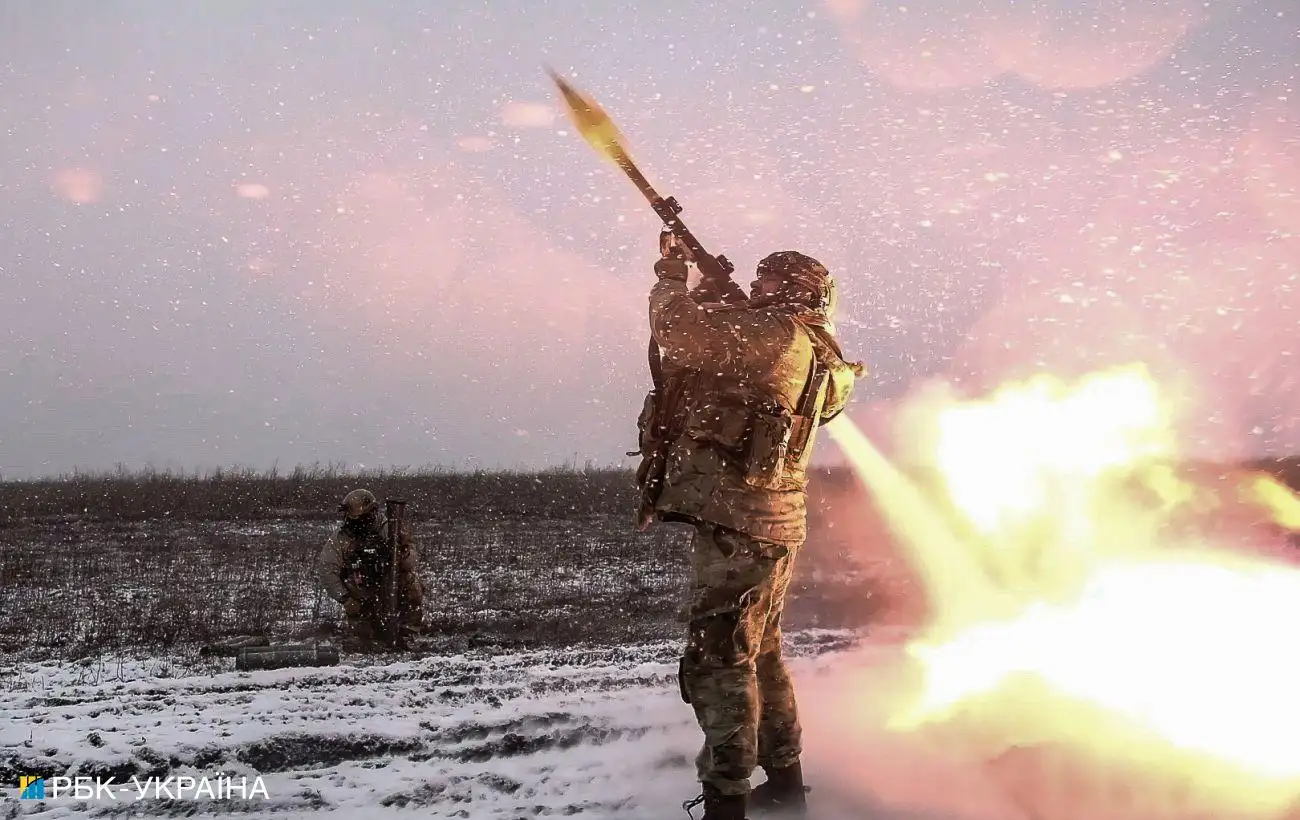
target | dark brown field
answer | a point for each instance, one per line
(92, 562)
(155, 560)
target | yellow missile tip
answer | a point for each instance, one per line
(590, 119)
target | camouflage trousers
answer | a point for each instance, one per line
(363, 607)
(732, 672)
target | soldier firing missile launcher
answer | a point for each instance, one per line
(601, 133)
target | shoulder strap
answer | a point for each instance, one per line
(807, 404)
(808, 408)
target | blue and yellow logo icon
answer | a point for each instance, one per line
(33, 788)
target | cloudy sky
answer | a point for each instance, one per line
(262, 233)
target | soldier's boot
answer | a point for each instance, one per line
(783, 794)
(719, 806)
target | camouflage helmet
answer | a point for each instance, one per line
(358, 504)
(802, 270)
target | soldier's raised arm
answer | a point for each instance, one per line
(691, 334)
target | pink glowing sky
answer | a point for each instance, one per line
(353, 233)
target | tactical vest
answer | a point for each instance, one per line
(768, 445)
(731, 453)
(369, 555)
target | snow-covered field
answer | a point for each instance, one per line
(599, 733)
(596, 733)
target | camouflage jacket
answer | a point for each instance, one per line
(742, 357)
(345, 560)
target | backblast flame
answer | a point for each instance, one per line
(1272, 497)
(1078, 599)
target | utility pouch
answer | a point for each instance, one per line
(769, 445)
(720, 424)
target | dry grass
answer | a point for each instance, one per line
(149, 560)
(158, 559)
(308, 492)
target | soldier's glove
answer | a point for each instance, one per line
(672, 247)
(668, 268)
(718, 289)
